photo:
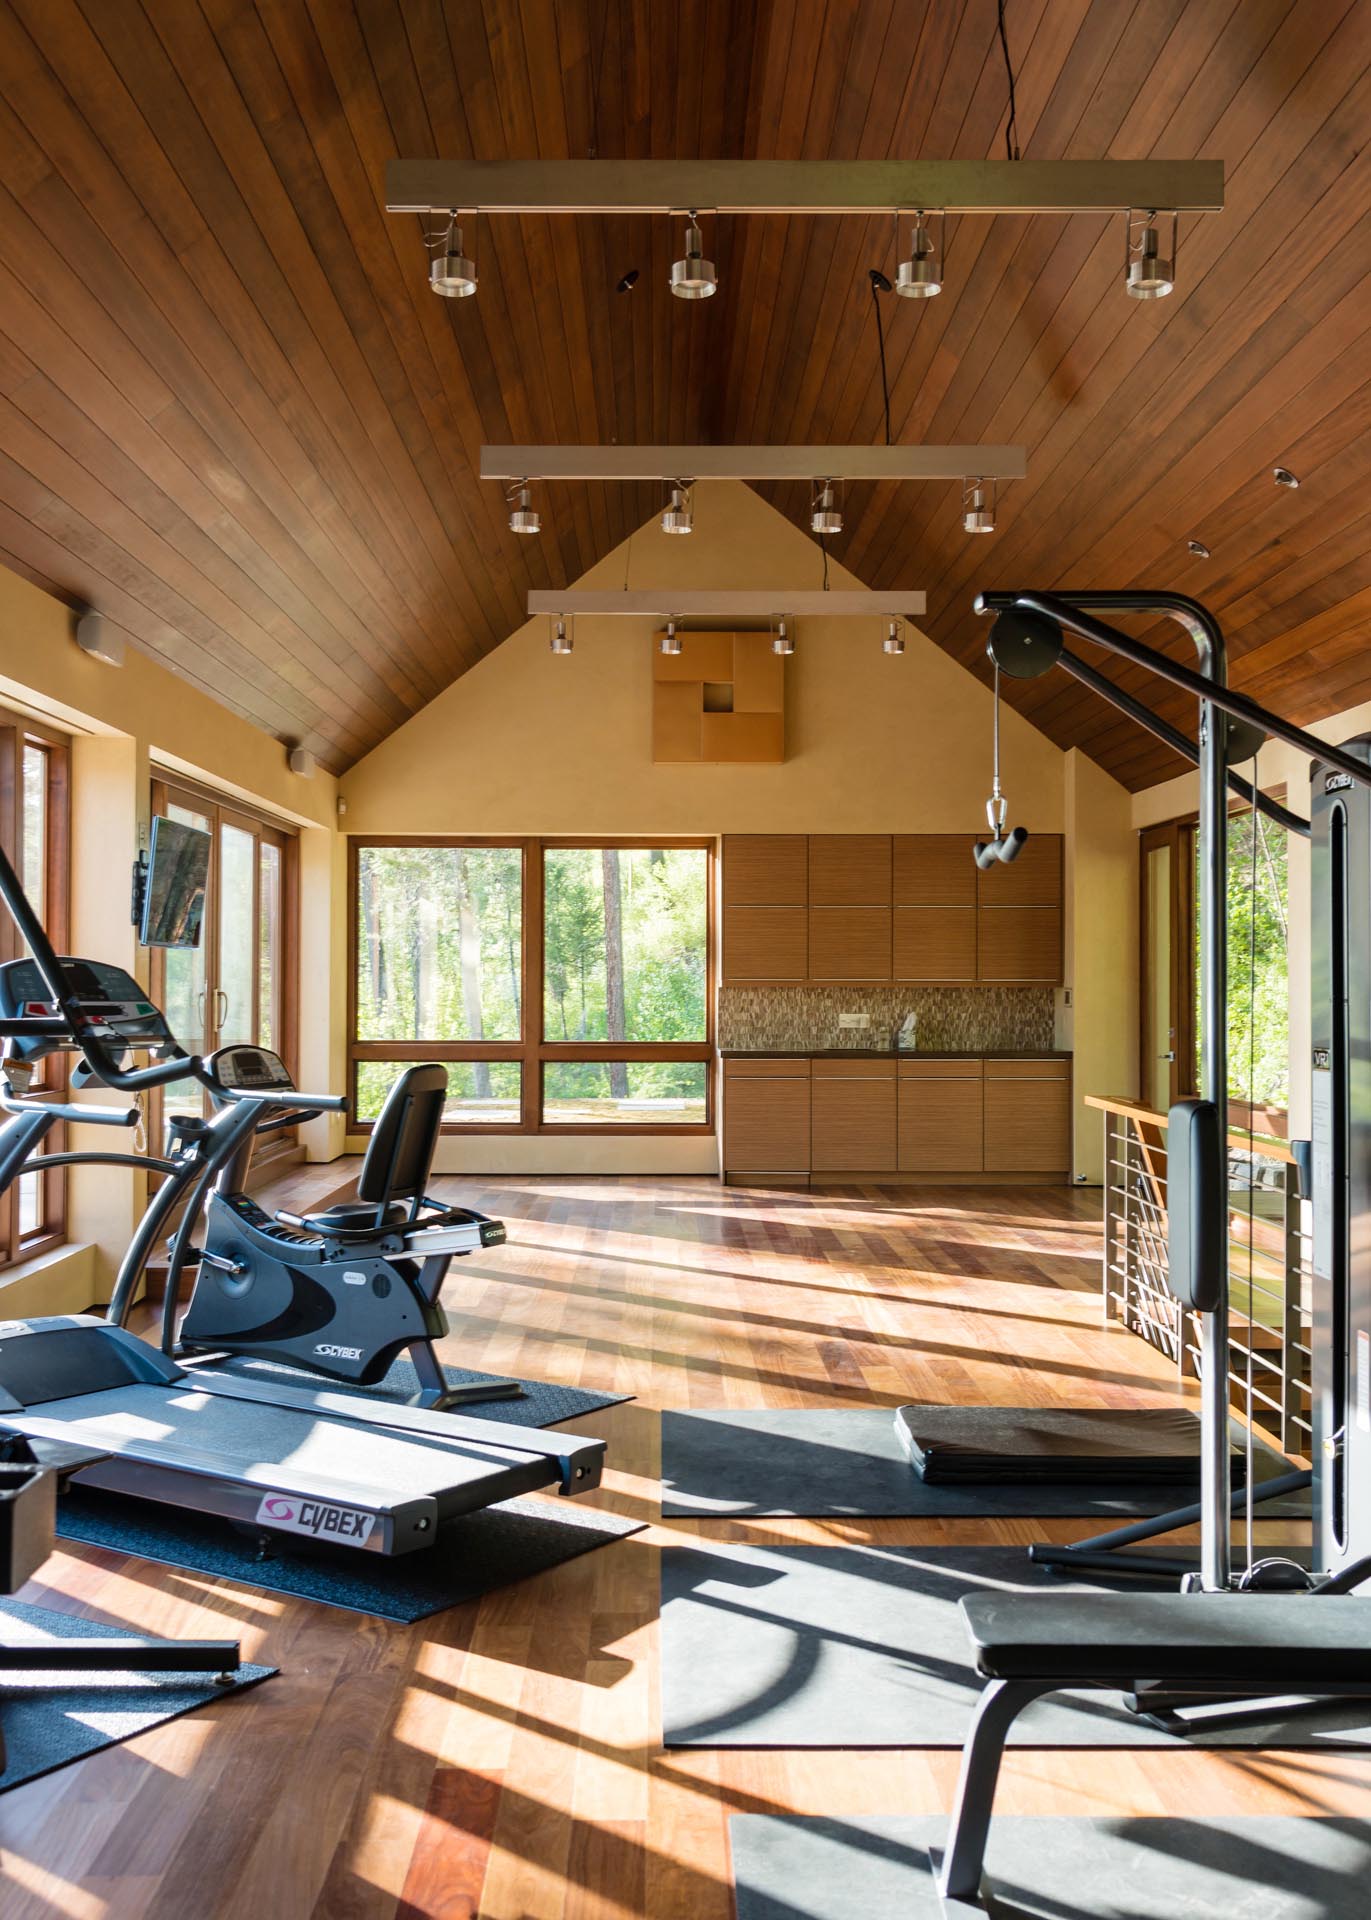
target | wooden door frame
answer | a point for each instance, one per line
(1178, 837)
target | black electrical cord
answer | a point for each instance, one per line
(880, 285)
(1011, 125)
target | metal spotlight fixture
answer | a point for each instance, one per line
(451, 273)
(783, 640)
(523, 515)
(678, 515)
(1284, 477)
(824, 516)
(978, 510)
(1198, 550)
(561, 640)
(921, 275)
(693, 278)
(670, 641)
(1149, 273)
(894, 638)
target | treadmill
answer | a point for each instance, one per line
(302, 1461)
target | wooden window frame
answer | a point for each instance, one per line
(16, 732)
(170, 789)
(532, 1050)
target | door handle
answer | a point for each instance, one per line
(221, 1007)
(1167, 1056)
(200, 1007)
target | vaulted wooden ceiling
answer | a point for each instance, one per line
(233, 417)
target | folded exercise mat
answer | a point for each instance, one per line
(471, 1555)
(814, 1461)
(541, 1404)
(1047, 1868)
(50, 1719)
(958, 1445)
(865, 1647)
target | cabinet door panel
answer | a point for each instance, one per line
(933, 870)
(1033, 880)
(853, 1126)
(849, 943)
(941, 1124)
(766, 1126)
(1019, 943)
(764, 943)
(934, 943)
(1028, 1126)
(849, 869)
(765, 870)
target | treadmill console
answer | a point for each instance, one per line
(249, 1069)
(112, 1007)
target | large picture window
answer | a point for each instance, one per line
(566, 985)
(34, 829)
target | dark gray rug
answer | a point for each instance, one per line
(815, 1461)
(471, 1555)
(864, 1647)
(1057, 1869)
(50, 1720)
(541, 1404)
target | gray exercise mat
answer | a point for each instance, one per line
(1044, 1868)
(816, 1461)
(865, 1647)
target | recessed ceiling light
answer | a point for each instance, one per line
(628, 281)
(1284, 477)
(1198, 549)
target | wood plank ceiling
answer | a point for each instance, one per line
(234, 419)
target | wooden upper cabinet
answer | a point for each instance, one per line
(1020, 943)
(766, 870)
(934, 944)
(934, 870)
(764, 944)
(849, 869)
(849, 943)
(1033, 880)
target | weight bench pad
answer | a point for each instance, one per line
(1235, 1639)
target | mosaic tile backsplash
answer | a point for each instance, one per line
(967, 1019)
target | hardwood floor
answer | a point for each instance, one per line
(502, 1759)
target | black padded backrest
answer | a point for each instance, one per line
(1197, 1204)
(400, 1152)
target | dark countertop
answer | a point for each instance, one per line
(891, 1053)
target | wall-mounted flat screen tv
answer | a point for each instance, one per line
(174, 890)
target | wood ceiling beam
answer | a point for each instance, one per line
(753, 463)
(732, 603)
(801, 186)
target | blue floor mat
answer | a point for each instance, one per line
(471, 1555)
(50, 1720)
(540, 1405)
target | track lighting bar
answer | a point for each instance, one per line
(669, 464)
(726, 603)
(452, 187)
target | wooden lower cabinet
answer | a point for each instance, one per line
(1028, 1116)
(941, 1116)
(852, 1116)
(766, 1116)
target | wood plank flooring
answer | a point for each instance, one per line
(502, 1760)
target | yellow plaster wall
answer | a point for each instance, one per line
(1102, 949)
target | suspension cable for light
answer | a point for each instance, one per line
(678, 515)
(1001, 846)
(693, 277)
(451, 273)
(523, 515)
(921, 275)
(1148, 273)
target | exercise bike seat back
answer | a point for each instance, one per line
(398, 1161)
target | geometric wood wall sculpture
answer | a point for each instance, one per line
(722, 697)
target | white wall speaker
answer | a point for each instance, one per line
(98, 640)
(300, 760)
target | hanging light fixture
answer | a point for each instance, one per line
(670, 641)
(693, 278)
(782, 641)
(894, 638)
(678, 515)
(921, 275)
(561, 640)
(1150, 274)
(978, 510)
(451, 273)
(523, 515)
(824, 516)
